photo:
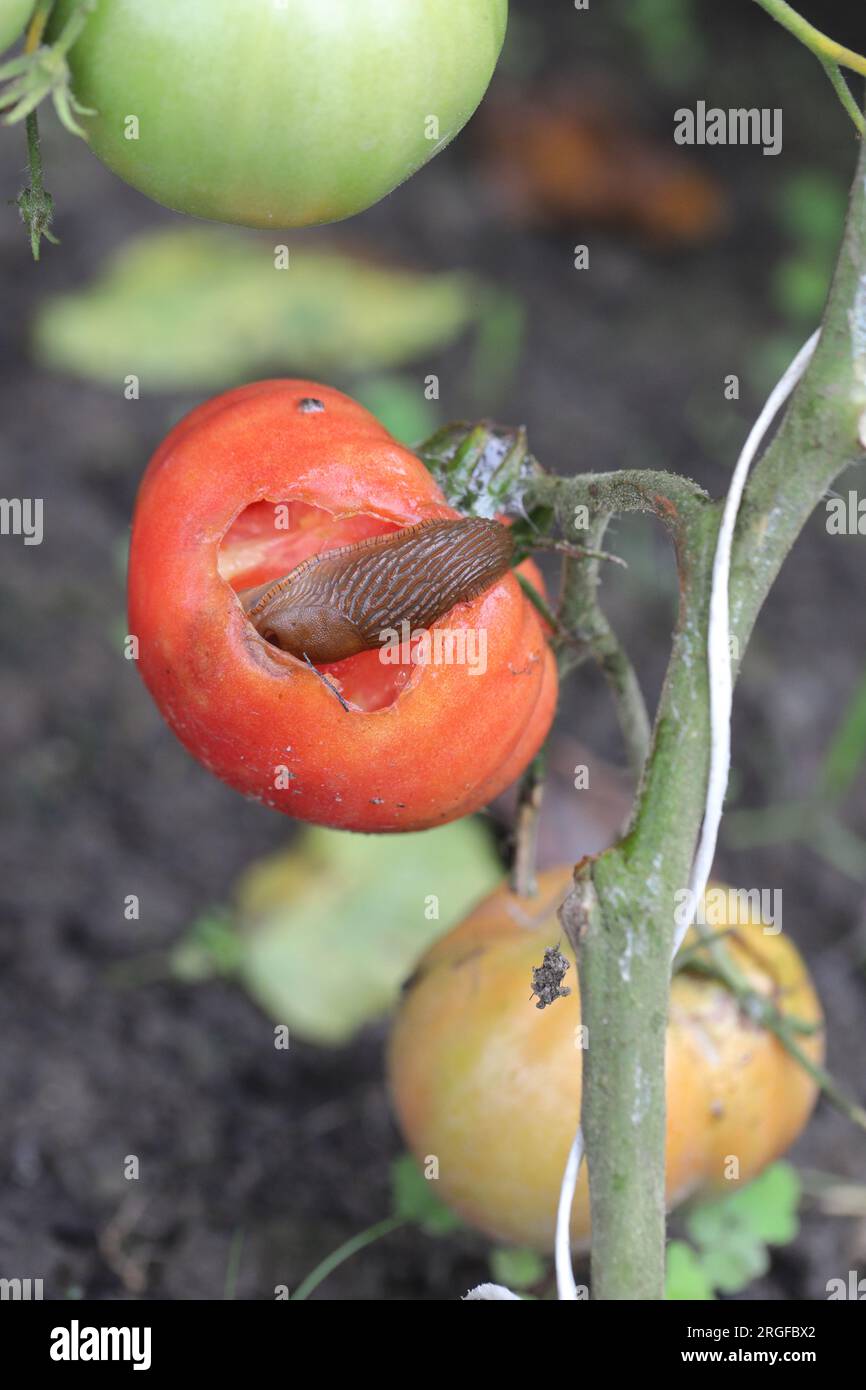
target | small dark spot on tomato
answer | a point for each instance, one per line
(310, 406)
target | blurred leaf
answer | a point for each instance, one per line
(685, 1277)
(517, 1269)
(498, 345)
(811, 209)
(768, 1206)
(199, 309)
(848, 748)
(327, 931)
(800, 286)
(667, 30)
(211, 947)
(733, 1232)
(414, 1199)
(400, 405)
(734, 1262)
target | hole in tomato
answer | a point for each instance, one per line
(269, 538)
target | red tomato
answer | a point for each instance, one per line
(243, 489)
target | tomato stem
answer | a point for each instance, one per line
(812, 38)
(34, 202)
(622, 907)
(527, 821)
(36, 27)
(718, 963)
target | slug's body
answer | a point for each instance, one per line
(340, 602)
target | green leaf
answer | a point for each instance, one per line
(211, 947)
(198, 309)
(733, 1232)
(414, 1199)
(686, 1277)
(800, 285)
(517, 1269)
(672, 44)
(812, 209)
(498, 345)
(848, 748)
(399, 404)
(328, 931)
(768, 1206)
(766, 1209)
(735, 1261)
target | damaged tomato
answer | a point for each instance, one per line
(491, 1084)
(416, 730)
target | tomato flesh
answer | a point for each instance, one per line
(255, 551)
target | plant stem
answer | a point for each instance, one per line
(37, 25)
(625, 961)
(669, 497)
(583, 615)
(233, 1264)
(345, 1252)
(621, 909)
(843, 92)
(718, 963)
(620, 913)
(823, 47)
(35, 203)
(529, 801)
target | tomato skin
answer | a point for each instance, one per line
(14, 15)
(447, 744)
(279, 115)
(491, 1085)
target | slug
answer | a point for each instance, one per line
(338, 603)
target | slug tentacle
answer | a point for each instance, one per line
(339, 602)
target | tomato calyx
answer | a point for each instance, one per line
(486, 469)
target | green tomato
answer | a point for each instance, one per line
(279, 113)
(14, 14)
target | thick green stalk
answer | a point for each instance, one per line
(621, 912)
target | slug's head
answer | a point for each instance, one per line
(315, 632)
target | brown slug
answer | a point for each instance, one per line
(339, 602)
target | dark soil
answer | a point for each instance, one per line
(290, 1152)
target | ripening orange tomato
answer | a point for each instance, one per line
(490, 1085)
